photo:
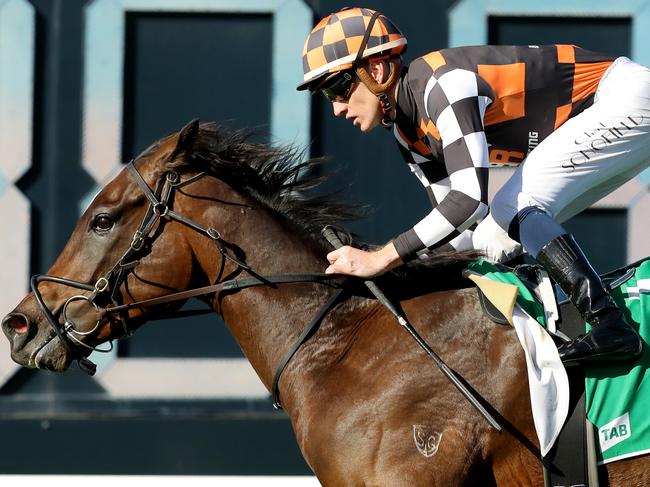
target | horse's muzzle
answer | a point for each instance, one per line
(16, 327)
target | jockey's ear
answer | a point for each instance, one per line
(378, 71)
(186, 137)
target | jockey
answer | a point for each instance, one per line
(577, 124)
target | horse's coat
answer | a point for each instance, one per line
(356, 391)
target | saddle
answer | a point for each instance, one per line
(572, 461)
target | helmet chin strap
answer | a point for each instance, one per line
(380, 89)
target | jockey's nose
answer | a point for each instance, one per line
(339, 108)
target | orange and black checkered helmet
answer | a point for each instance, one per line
(334, 43)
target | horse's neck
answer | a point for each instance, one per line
(265, 321)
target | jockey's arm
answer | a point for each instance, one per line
(463, 192)
(455, 105)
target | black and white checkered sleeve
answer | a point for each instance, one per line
(456, 100)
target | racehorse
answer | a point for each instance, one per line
(207, 208)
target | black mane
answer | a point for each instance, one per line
(277, 176)
(280, 178)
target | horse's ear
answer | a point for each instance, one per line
(187, 136)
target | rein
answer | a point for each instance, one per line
(230, 285)
(107, 287)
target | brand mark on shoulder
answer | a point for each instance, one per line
(426, 439)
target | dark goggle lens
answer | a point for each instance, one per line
(338, 87)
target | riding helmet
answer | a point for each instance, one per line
(334, 42)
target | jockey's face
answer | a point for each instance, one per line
(361, 107)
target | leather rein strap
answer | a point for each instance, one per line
(306, 334)
(246, 282)
(230, 285)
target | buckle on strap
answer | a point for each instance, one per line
(161, 209)
(137, 241)
(213, 234)
(101, 285)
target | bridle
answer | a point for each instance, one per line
(107, 287)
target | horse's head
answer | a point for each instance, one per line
(195, 208)
(124, 249)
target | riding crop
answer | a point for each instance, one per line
(331, 236)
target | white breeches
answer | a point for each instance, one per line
(585, 159)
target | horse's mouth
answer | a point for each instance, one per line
(37, 358)
(49, 354)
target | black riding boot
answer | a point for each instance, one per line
(610, 337)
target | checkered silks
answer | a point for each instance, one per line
(466, 107)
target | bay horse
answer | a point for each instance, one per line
(205, 206)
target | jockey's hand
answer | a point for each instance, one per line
(356, 262)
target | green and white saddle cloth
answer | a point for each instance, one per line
(617, 394)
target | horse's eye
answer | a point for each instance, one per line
(103, 223)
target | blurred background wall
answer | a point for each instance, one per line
(88, 84)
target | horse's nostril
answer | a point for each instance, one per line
(17, 322)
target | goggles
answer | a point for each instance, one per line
(338, 87)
